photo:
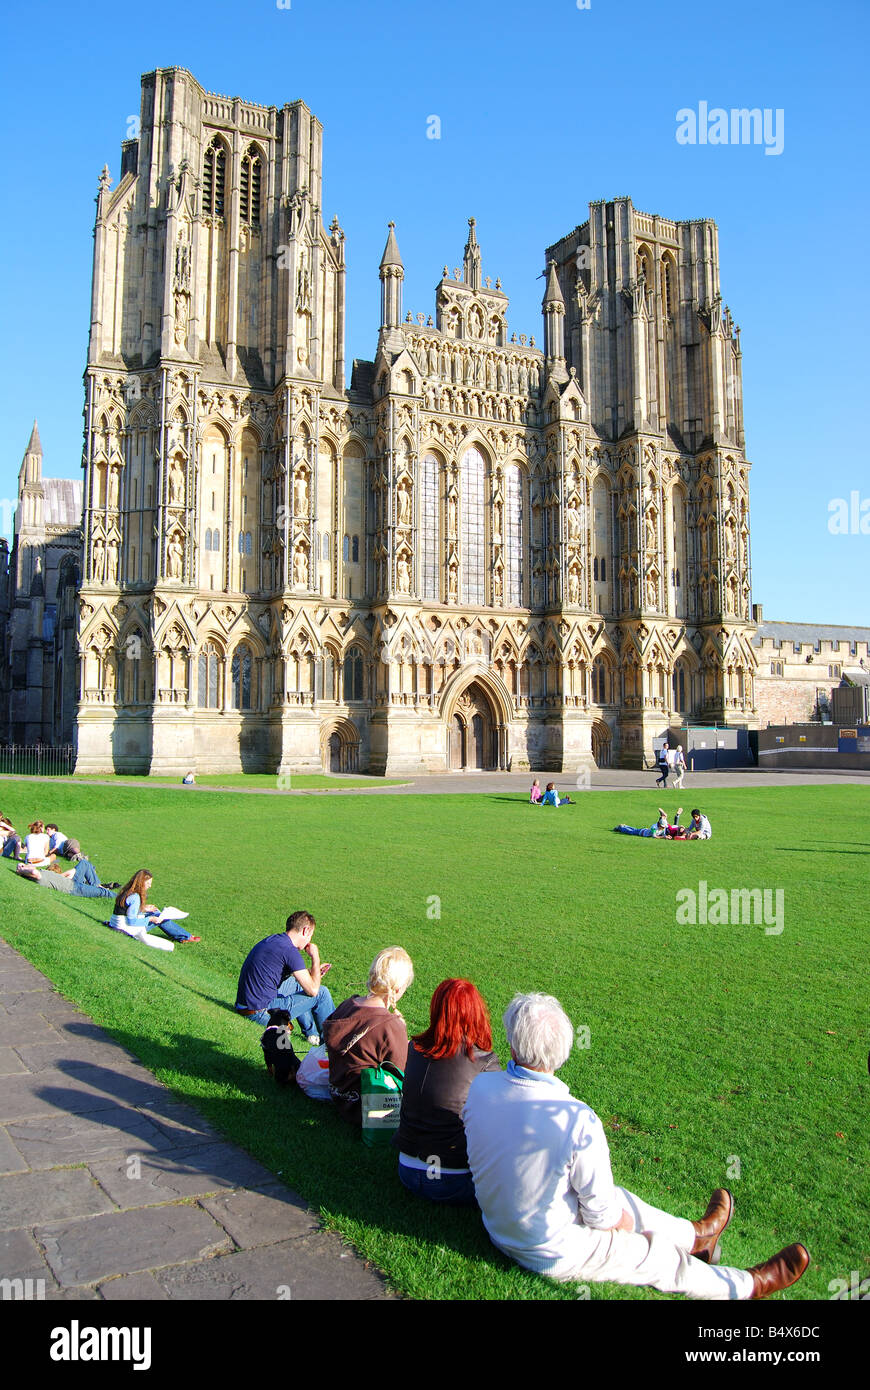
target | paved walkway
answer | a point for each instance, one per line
(112, 1189)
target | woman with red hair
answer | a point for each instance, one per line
(442, 1063)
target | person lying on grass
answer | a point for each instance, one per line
(663, 830)
(82, 880)
(543, 1181)
(131, 910)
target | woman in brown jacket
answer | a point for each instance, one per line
(368, 1031)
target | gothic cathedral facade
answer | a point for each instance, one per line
(482, 554)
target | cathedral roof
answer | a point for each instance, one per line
(809, 633)
(63, 502)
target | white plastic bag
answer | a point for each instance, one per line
(313, 1073)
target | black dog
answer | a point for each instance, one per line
(281, 1061)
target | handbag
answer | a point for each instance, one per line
(313, 1073)
(380, 1093)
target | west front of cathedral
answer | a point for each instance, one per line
(485, 553)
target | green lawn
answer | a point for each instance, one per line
(251, 781)
(712, 1049)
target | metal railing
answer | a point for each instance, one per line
(36, 760)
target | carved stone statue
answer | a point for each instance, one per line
(176, 484)
(651, 591)
(403, 498)
(451, 515)
(572, 516)
(300, 495)
(497, 584)
(112, 562)
(98, 560)
(403, 575)
(300, 568)
(174, 556)
(573, 587)
(452, 583)
(114, 487)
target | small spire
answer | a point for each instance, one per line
(553, 293)
(35, 445)
(391, 255)
(471, 261)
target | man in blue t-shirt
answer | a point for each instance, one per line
(275, 976)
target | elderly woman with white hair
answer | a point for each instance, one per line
(366, 1031)
(541, 1168)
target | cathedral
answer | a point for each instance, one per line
(484, 553)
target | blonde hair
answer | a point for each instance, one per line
(390, 974)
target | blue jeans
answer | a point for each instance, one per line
(12, 846)
(170, 929)
(454, 1189)
(630, 830)
(312, 1011)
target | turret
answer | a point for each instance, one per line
(392, 274)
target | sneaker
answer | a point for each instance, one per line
(189, 940)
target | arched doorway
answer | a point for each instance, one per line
(473, 732)
(602, 744)
(340, 747)
(335, 746)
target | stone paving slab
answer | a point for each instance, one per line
(262, 1218)
(124, 1242)
(180, 1173)
(20, 1257)
(10, 1062)
(69, 1094)
(300, 1270)
(11, 1161)
(59, 1139)
(26, 1198)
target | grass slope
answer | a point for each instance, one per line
(712, 1050)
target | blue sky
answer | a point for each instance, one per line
(542, 107)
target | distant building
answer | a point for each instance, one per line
(38, 588)
(801, 664)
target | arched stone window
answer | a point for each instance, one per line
(473, 536)
(431, 527)
(208, 695)
(242, 677)
(249, 186)
(601, 683)
(513, 534)
(353, 674)
(354, 549)
(214, 174)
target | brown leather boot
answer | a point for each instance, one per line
(708, 1230)
(780, 1271)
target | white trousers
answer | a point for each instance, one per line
(656, 1253)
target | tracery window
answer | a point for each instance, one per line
(430, 538)
(600, 682)
(214, 179)
(242, 666)
(208, 677)
(472, 528)
(249, 187)
(513, 493)
(353, 674)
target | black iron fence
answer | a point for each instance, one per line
(36, 760)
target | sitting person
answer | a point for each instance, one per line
(535, 792)
(81, 880)
(274, 976)
(188, 780)
(699, 828)
(659, 831)
(57, 841)
(36, 850)
(131, 910)
(442, 1063)
(551, 797)
(543, 1180)
(364, 1032)
(281, 1061)
(9, 839)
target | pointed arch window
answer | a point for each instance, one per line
(241, 671)
(249, 187)
(600, 682)
(353, 674)
(214, 176)
(354, 549)
(208, 677)
(431, 528)
(513, 496)
(472, 528)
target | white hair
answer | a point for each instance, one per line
(539, 1031)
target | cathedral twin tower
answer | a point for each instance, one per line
(483, 554)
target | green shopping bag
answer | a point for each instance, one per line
(380, 1091)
